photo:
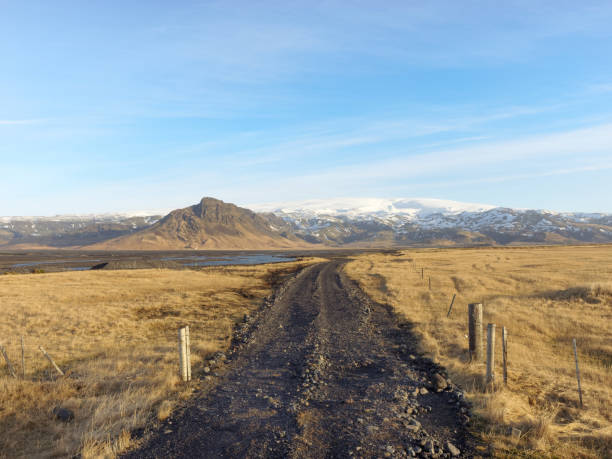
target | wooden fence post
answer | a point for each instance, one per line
(490, 354)
(505, 354)
(429, 277)
(475, 331)
(8, 362)
(182, 354)
(577, 371)
(51, 360)
(188, 353)
(450, 308)
(422, 273)
(22, 358)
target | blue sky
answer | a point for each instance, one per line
(117, 106)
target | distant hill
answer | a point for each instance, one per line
(69, 231)
(210, 224)
(352, 222)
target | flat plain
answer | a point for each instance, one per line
(115, 335)
(545, 297)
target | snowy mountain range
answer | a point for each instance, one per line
(361, 209)
(434, 221)
(367, 222)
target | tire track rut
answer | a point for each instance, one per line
(321, 372)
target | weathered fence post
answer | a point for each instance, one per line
(188, 353)
(422, 273)
(51, 360)
(429, 277)
(184, 354)
(475, 331)
(577, 371)
(450, 308)
(490, 354)
(8, 362)
(505, 354)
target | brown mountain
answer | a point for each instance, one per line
(210, 224)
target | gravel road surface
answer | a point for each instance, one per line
(319, 372)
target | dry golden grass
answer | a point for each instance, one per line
(545, 296)
(115, 333)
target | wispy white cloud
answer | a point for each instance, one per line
(588, 142)
(602, 166)
(600, 88)
(337, 137)
(316, 37)
(334, 30)
(19, 122)
(576, 151)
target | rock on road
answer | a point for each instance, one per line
(321, 371)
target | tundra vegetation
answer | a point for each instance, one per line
(545, 297)
(114, 333)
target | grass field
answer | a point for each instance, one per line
(115, 335)
(545, 296)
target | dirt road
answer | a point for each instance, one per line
(320, 372)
